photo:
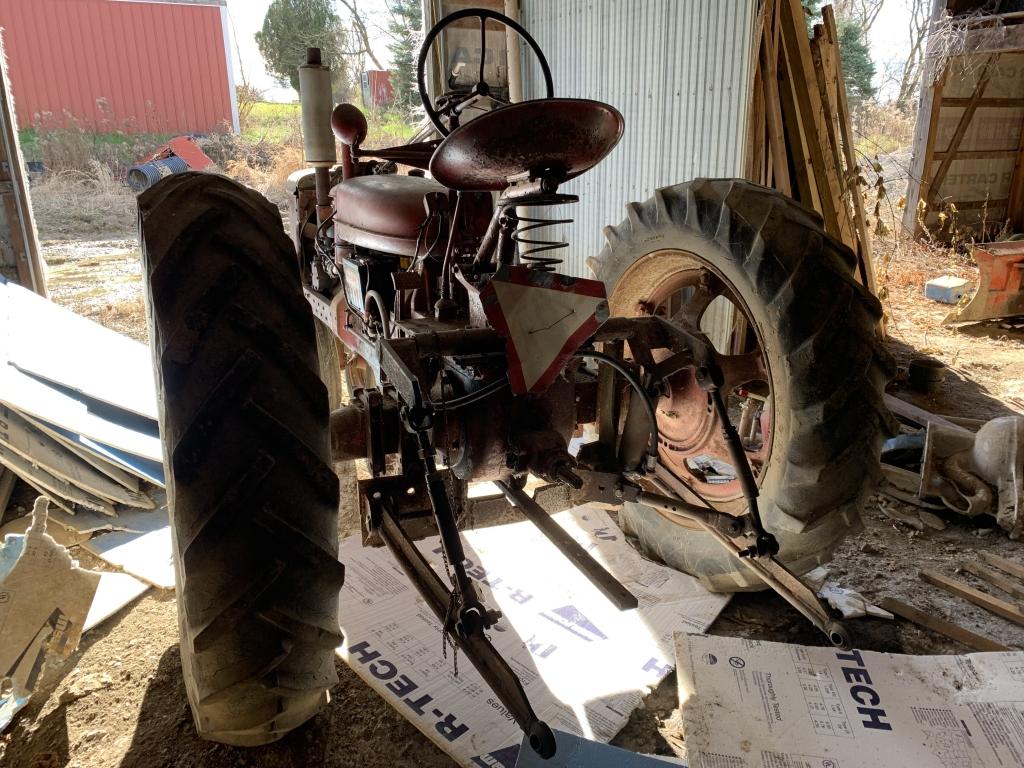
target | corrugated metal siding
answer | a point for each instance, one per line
(678, 70)
(128, 66)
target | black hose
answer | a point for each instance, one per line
(472, 397)
(652, 447)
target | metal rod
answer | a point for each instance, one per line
(609, 586)
(488, 662)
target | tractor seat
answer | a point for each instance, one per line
(569, 136)
(389, 205)
(387, 213)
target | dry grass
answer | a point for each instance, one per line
(83, 204)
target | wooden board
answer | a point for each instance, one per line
(1004, 565)
(32, 445)
(54, 485)
(57, 345)
(32, 397)
(997, 580)
(956, 587)
(74, 444)
(943, 627)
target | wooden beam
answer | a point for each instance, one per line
(929, 145)
(773, 105)
(14, 192)
(997, 580)
(935, 185)
(867, 260)
(1015, 208)
(943, 627)
(986, 102)
(984, 600)
(911, 412)
(810, 113)
(976, 154)
(802, 175)
(1004, 565)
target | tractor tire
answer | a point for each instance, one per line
(329, 355)
(252, 496)
(817, 330)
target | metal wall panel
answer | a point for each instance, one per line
(156, 67)
(678, 70)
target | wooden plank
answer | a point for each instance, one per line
(1015, 207)
(769, 54)
(27, 470)
(935, 185)
(986, 102)
(16, 200)
(975, 154)
(798, 52)
(804, 183)
(32, 445)
(60, 346)
(911, 412)
(997, 580)
(984, 600)
(32, 397)
(943, 627)
(866, 257)
(74, 444)
(1004, 565)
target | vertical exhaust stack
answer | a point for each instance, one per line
(317, 138)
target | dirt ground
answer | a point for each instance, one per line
(120, 700)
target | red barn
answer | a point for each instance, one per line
(153, 66)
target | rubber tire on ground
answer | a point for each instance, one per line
(818, 330)
(252, 496)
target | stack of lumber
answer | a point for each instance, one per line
(800, 138)
(78, 416)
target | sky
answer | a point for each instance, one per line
(889, 39)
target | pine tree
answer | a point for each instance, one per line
(406, 32)
(858, 68)
(290, 27)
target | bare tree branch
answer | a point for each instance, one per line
(359, 27)
(913, 67)
(862, 12)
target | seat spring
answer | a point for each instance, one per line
(530, 247)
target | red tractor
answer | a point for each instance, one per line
(470, 357)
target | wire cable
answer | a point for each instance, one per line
(652, 446)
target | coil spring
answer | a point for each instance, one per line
(530, 247)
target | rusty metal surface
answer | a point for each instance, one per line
(1000, 283)
(568, 135)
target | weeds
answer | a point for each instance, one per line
(82, 195)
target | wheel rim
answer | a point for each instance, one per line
(681, 285)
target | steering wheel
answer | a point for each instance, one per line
(451, 104)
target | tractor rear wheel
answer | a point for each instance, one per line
(252, 496)
(801, 358)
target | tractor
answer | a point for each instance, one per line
(416, 275)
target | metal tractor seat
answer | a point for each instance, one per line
(564, 137)
(385, 213)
